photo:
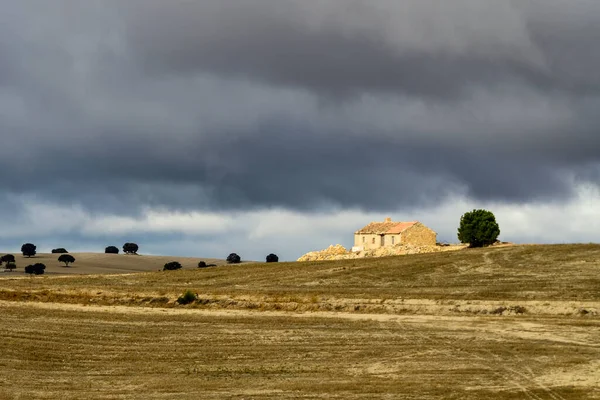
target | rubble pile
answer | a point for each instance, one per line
(339, 252)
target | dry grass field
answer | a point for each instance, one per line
(100, 263)
(520, 322)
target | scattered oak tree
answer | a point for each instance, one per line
(28, 249)
(67, 259)
(233, 259)
(272, 258)
(172, 266)
(130, 248)
(9, 259)
(35, 269)
(478, 228)
(111, 250)
(60, 250)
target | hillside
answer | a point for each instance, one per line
(516, 273)
(100, 263)
(517, 322)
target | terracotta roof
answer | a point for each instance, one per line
(380, 228)
(401, 227)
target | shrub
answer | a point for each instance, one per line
(233, 259)
(272, 258)
(28, 249)
(171, 266)
(130, 248)
(187, 297)
(111, 250)
(67, 259)
(478, 228)
(203, 264)
(60, 250)
(37, 269)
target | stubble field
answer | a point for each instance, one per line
(519, 322)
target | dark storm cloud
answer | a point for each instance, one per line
(420, 48)
(304, 105)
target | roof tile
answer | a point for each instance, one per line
(380, 228)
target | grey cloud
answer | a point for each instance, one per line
(414, 48)
(242, 105)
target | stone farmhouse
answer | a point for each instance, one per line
(389, 233)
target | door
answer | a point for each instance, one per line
(382, 240)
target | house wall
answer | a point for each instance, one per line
(419, 235)
(368, 242)
(389, 242)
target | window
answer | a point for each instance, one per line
(364, 239)
(373, 240)
(393, 239)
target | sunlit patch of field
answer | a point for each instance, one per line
(519, 322)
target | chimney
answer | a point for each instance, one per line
(388, 219)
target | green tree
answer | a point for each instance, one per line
(233, 258)
(9, 259)
(478, 228)
(67, 259)
(37, 269)
(60, 250)
(272, 258)
(172, 266)
(130, 248)
(28, 250)
(111, 250)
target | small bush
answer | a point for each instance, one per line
(60, 250)
(187, 297)
(233, 259)
(272, 258)
(172, 266)
(111, 250)
(202, 264)
(518, 309)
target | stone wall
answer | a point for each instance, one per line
(419, 235)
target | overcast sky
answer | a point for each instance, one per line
(207, 127)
